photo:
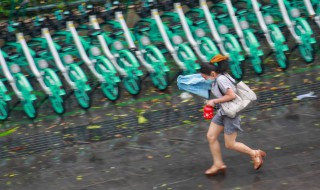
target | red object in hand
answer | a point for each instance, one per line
(208, 112)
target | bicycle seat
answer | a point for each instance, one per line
(175, 25)
(41, 52)
(192, 3)
(10, 37)
(13, 55)
(35, 32)
(66, 47)
(133, 49)
(241, 11)
(197, 20)
(266, 7)
(143, 28)
(116, 31)
(144, 12)
(161, 46)
(94, 32)
(107, 15)
(36, 47)
(222, 16)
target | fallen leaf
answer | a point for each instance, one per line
(142, 119)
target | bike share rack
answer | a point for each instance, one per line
(207, 53)
(308, 6)
(271, 31)
(226, 42)
(129, 70)
(19, 84)
(5, 97)
(103, 76)
(188, 66)
(299, 29)
(157, 69)
(47, 78)
(245, 34)
(71, 72)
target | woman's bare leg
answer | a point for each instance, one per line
(256, 155)
(212, 136)
(231, 143)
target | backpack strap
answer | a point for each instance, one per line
(226, 75)
(220, 90)
(219, 87)
(234, 83)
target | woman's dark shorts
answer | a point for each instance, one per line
(231, 125)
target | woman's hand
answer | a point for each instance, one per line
(211, 102)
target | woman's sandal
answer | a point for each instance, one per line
(214, 170)
(257, 159)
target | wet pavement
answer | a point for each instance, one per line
(157, 140)
(176, 157)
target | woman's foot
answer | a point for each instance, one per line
(257, 159)
(214, 170)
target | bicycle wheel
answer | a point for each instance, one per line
(29, 109)
(53, 83)
(253, 45)
(234, 63)
(57, 104)
(160, 80)
(304, 31)
(307, 52)
(82, 98)
(132, 84)
(111, 90)
(4, 110)
(282, 59)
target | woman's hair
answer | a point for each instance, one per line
(218, 63)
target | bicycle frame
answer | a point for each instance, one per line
(247, 38)
(76, 77)
(132, 46)
(181, 53)
(46, 77)
(19, 84)
(4, 96)
(310, 9)
(226, 42)
(271, 31)
(202, 41)
(99, 65)
(130, 67)
(156, 67)
(299, 29)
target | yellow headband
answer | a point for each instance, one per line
(218, 58)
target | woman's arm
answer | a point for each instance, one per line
(230, 95)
